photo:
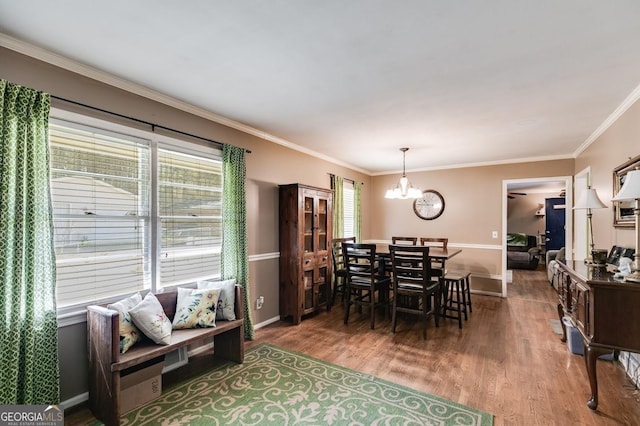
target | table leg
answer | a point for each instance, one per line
(564, 329)
(591, 355)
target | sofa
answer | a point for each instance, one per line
(551, 258)
(522, 251)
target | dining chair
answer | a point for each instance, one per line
(399, 240)
(339, 268)
(404, 240)
(412, 278)
(364, 280)
(438, 265)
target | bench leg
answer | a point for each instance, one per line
(230, 345)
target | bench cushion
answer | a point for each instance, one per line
(226, 305)
(195, 308)
(150, 318)
(129, 333)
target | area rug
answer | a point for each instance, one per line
(275, 386)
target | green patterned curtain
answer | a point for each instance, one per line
(337, 184)
(29, 356)
(235, 261)
(357, 210)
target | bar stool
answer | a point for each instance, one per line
(455, 308)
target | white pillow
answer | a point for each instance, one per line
(149, 316)
(129, 333)
(196, 308)
(226, 301)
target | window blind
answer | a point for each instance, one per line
(348, 197)
(190, 211)
(100, 196)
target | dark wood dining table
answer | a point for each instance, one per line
(382, 252)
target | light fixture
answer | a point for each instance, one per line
(590, 200)
(631, 191)
(404, 189)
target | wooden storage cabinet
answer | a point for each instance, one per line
(603, 309)
(305, 241)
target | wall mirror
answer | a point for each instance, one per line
(623, 210)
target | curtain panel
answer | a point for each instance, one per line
(235, 261)
(337, 184)
(357, 210)
(29, 356)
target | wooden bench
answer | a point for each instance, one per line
(107, 365)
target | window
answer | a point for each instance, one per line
(110, 238)
(348, 199)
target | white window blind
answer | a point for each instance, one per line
(132, 210)
(100, 196)
(190, 209)
(348, 199)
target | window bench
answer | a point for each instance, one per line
(107, 365)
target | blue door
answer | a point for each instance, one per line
(554, 222)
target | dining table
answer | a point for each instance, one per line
(382, 250)
(384, 256)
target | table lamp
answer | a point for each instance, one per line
(589, 200)
(631, 191)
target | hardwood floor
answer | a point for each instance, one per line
(506, 360)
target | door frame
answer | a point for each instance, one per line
(582, 180)
(568, 183)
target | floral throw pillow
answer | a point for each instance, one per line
(196, 308)
(150, 318)
(129, 333)
(226, 302)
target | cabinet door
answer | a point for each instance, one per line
(322, 224)
(308, 223)
(580, 309)
(323, 279)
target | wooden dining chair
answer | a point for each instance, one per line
(364, 281)
(339, 268)
(412, 279)
(438, 265)
(404, 240)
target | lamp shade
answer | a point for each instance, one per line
(631, 188)
(589, 200)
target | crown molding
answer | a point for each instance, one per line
(483, 164)
(107, 78)
(615, 115)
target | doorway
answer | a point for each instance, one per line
(524, 211)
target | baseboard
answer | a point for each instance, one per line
(76, 400)
(266, 323)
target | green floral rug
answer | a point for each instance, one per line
(275, 386)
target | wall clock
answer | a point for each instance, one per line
(430, 206)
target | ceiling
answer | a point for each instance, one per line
(459, 82)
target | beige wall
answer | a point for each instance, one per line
(473, 210)
(615, 146)
(521, 213)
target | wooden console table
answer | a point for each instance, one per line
(605, 311)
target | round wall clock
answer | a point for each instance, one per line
(430, 206)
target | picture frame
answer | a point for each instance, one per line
(623, 216)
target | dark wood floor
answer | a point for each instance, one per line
(506, 360)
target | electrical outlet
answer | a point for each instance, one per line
(259, 302)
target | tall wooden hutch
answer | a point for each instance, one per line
(305, 241)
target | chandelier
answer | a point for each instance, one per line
(404, 189)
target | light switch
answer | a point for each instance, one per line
(494, 234)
